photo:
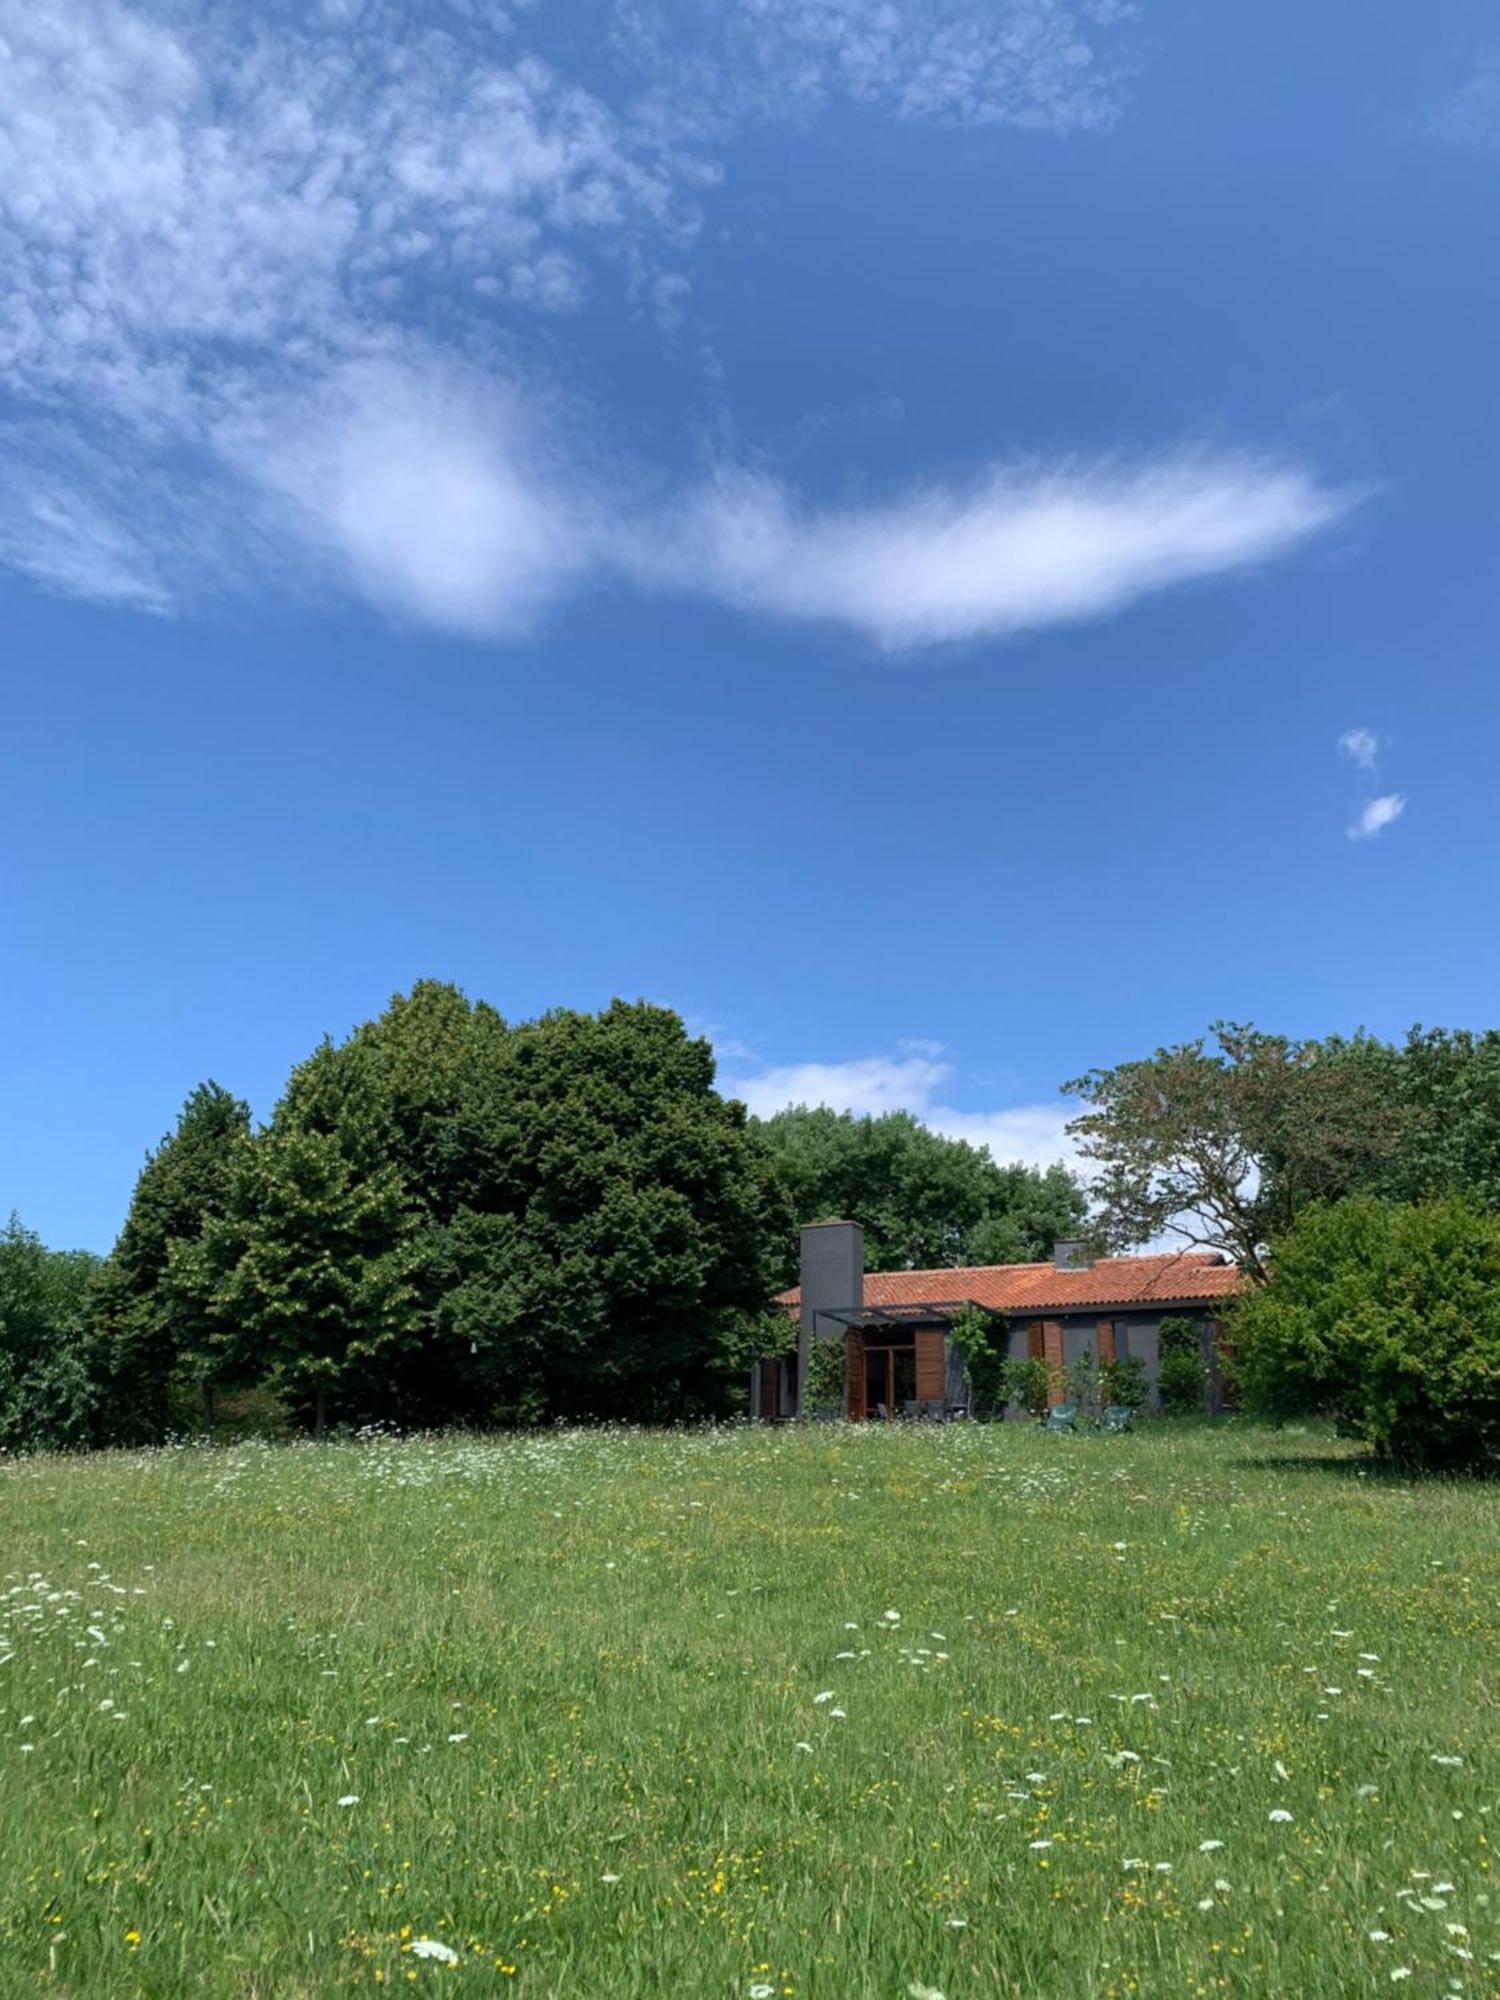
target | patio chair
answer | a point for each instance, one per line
(1061, 1417)
(1115, 1417)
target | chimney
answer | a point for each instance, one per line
(1071, 1253)
(833, 1280)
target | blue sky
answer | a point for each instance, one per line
(951, 543)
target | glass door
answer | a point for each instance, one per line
(891, 1380)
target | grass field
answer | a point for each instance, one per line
(826, 1713)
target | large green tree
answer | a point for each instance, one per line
(621, 1231)
(46, 1395)
(449, 1218)
(925, 1202)
(315, 1262)
(153, 1322)
(1222, 1142)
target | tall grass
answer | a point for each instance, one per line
(823, 1714)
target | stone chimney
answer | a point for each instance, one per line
(833, 1280)
(1071, 1253)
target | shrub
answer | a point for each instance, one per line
(1386, 1318)
(1029, 1383)
(1123, 1381)
(1181, 1377)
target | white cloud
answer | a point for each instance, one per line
(867, 1086)
(1377, 813)
(1361, 747)
(914, 1081)
(220, 233)
(1030, 545)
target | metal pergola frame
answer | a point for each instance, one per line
(936, 1312)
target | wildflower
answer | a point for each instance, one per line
(459, 1736)
(920, 1992)
(839, 1714)
(957, 1924)
(1163, 1867)
(1122, 1757)
(430, 1948)
(1380, 1937)
(1281, 1770)
(1442, 1888)
(1400, 1972)
(803, 1746)
(1205, 1902)
(1133, 1863)
(1452, 1763)
(1224, 1888)
(609, 1878)
(349, 1799)
(1209, 1846)
(1279, 1815)
(1036, 1844)
(891, 1617)
(826, 1695)
(761, 1991)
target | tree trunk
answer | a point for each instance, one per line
(206, 1401)
(320, 1413)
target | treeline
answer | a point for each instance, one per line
(451, 1218)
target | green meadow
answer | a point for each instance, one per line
(822, 1713)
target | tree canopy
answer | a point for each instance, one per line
(1223, 1144)
(153, 1320)
(46, 1395)
(925, 1202)
(449, 1218)
(1226, 1139)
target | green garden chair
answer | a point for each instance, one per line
(1115, 1417)
(1061, 1417)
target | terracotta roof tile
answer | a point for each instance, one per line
(1178, 1277)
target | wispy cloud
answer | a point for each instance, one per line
(267, 280)
(1044, 64)
(1375, 815)
(1361, 747)
(916, 1080)
(1028, 545)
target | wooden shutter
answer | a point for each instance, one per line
(854, 1377)
(932, 1364)
(1106, 1340)
(1052, 1354)
(1034, 1345)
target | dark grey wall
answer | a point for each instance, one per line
(832, 1278)
(1080, 1333)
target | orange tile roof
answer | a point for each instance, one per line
(1177, 1277)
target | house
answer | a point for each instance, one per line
(895, 1326)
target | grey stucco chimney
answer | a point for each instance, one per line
(833, 1280)
(1071, 1253)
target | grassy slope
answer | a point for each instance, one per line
(543, 1663)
